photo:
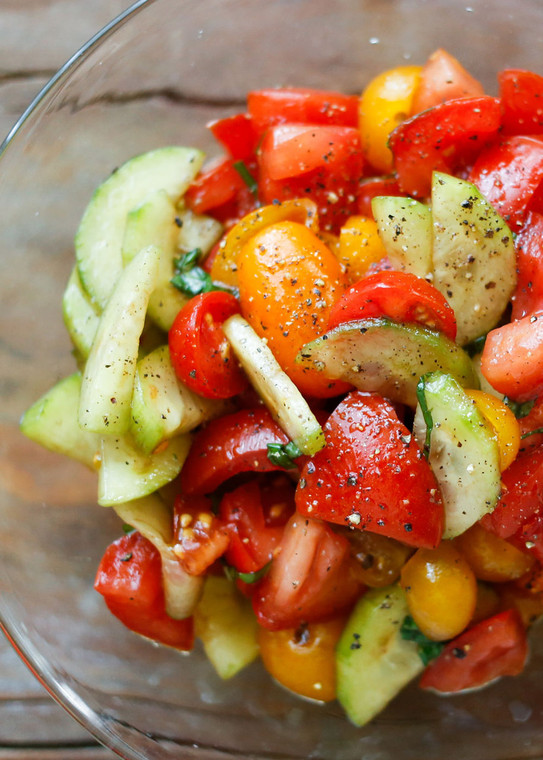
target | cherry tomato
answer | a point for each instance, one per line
(509, 174)
(200, 353)
(311, 577)
(360, 246)
(236, 134)
(504, 423)
(493, 648)
(303, 659)
(441, 591)
(380, 559)
(216, 185)
(271, 107)
(371, 475)
(288, 280)
(530, 423)
(384, 104)
(372, 188)
(488, 602)
(129, 578)
(521, 93)
(443, 78)
(528, 604)
(199, 537)
(528, 296)
(445, 138)
(490, 557)
(401, 296)
(229, 445)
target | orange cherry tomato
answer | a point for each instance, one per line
(360, 246)
(492, 558)
(303, 659)
(288, 281)
(503, 422)
(529, 604)
(488, 603)
(380, 559)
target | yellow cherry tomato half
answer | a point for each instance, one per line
(503, 421)
(360, 246)
(441, 591)
(384, 104)
(492, 558)
(303, 659)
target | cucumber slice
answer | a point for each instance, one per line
(473, 256)
(225, 622)
(405, 227)
(100, 235)
(162, 406)
(197, 231)
(80, 316)
(463, 452)
(52, 422)
(153, 519)
(386, 357)
(108, 380)
(285, 402)
(374, 663)
(126, 473)
(485, 385)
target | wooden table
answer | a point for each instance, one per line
(36, 37)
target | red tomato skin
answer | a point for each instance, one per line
(271, 107)
(401, 296)
(214, 186)
(444, 138)
(229, 445)
(372, 188)
(199, 351)
(493, 648)
(310, 578)
(371, 475)
(236, 134)
(512, 359)
(528, 296)
(443, 78)
(129, 578)
(521, 95)
(200, 542)
(508, 174)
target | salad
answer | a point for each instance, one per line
(309, 378)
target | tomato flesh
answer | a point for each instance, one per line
(199, 537)
(528, 296)
(236, 134)
(271, 107)
(521, 95)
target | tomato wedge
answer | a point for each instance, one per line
(371, 475)
(444, 138)
(236, 134)
(493, 648)
(528, 296)
(373, 187)
(443, 78)
(311, 577)
(228, 445)
(401, 296)
(521, 95)
(271, 107)
(199, 537)
(215, 186)
(200, 353)
(129, 578)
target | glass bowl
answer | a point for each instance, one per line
(154, 78)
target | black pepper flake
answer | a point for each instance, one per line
(459, 653)
(408, 527)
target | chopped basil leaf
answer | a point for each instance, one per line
(191, 279)
(232, 574)
(284, 454)
(537, 431)
(476, 346)
(188, 260)
(421, 387)
(246, 176)
(128, 528)
(427, 649)
(520, 410)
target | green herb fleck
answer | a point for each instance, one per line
(427, 649)
(232, 574)
(128, 528)
(476, 346)
(190, 278)
(426, 414)
(520, 410)
(284, 454)
(537, 431)
(246, 176)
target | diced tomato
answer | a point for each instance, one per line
(443, 78)
(244, 201)
(401, 296)
(445, 138)
(311, 578)
(236, 134)
(271, 107)
(256, 513)
(512, 359)
(129, 578)
(372, 188)
(528, 296)
(228, 445)
(529, 538)
(531, 422)
(201, 355)
(199, 537)
(323, 163)
(372, 476)
(215, 186)
(493, 648)
(521, 95)
(509, 174)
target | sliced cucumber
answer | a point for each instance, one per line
(100, 235)
(108, 380)
(473, 256)
(153, 519)
(197, 231)
(405, 227)
(463, 452)
(285, 402)
(80, 316)
(374, 663)
(126, 473)
(225, 622)
(485, 385)
(386, 357)
(162, 406)
(52, 422)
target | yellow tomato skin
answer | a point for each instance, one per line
(492, 558)
(503, 421)
(488, 603)
(360, 246)
(288, 280)
(441, 591)
(303, 659)
(384, 104)
(528, 604)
